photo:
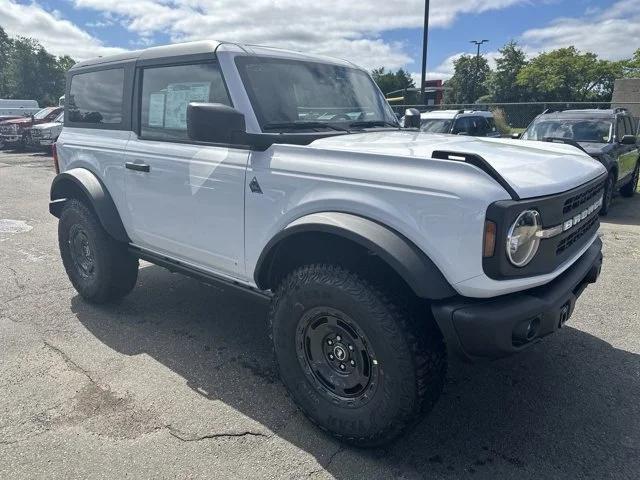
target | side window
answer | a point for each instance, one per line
(97, 97)
(480, 126)
(621, 128)
(629, 125)
(491, 124)
(462, 124)
(166, 92)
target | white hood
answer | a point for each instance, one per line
(532, 169)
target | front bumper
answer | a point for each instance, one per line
(497, 327)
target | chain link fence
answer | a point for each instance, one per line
(515, 117)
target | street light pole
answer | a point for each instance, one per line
(425, 41)
(478, 43)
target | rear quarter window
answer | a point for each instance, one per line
(97, 97)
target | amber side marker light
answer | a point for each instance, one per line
(54, 152)
(489, 246)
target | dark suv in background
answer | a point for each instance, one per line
(610, 136)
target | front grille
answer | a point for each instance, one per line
(574, 237)
(572, 203)
(556, 209)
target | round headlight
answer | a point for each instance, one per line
(522, 241)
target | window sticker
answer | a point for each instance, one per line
(156, 109)
(178, 97)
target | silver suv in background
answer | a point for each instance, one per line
(45, 134)
(476, 123)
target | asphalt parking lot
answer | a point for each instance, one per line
(177, 381)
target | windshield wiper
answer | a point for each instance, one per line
(302, 126)
(373, 123)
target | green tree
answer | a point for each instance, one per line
(30, 72)
(502, 82)
(567, 75)
(5, 50)
(391, 81)
(469, 80)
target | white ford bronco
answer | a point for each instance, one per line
(381, 249)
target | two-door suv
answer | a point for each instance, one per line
(287, 175)
(609, 136)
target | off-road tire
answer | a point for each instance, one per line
(607, 196)
(409, 350)
(113, 271)
(630, 188)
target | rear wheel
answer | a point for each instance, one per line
(99, 267)
(630, 188)
(356, 362)
(607, 196)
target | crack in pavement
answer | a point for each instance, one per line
(324, 467)
(184, 438)
(70, 363)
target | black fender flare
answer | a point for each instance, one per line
(67, 185)
(402, 255)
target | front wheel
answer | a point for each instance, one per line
(630, 188)
(355, 361)
(99, 267)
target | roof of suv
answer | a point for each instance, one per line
(451, 114)
(585, 113)
(207, 47)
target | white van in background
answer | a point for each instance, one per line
(10, 108)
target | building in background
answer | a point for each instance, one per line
(626, 94)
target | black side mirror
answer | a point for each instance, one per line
(412, 118)
(629, 140)
(516, 136)
(215, 123)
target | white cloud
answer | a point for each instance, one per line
(347, 29)
(58, 36)
(612, 33)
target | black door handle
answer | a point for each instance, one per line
(138, 167)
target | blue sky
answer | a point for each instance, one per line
(370, 32)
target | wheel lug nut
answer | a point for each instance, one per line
(329, 342)
(338, 338)
(353, 363)
(342, 366)
(351, 348)
(331, 356)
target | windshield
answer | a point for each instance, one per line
(580, 130)
(435, 125)
(43, 113)
(60, 118)
(287, 92)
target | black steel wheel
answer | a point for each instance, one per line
(99, 267)
(335, 354)
(357, 360)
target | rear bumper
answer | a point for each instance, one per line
(493, 328)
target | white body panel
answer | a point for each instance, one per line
(195, 205)
(190, 205)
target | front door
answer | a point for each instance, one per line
(185, 200)
(628, 154)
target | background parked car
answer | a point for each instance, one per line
(609, 136)
(18, 108)
(14, 133)
(46, 134)
(476, 123)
